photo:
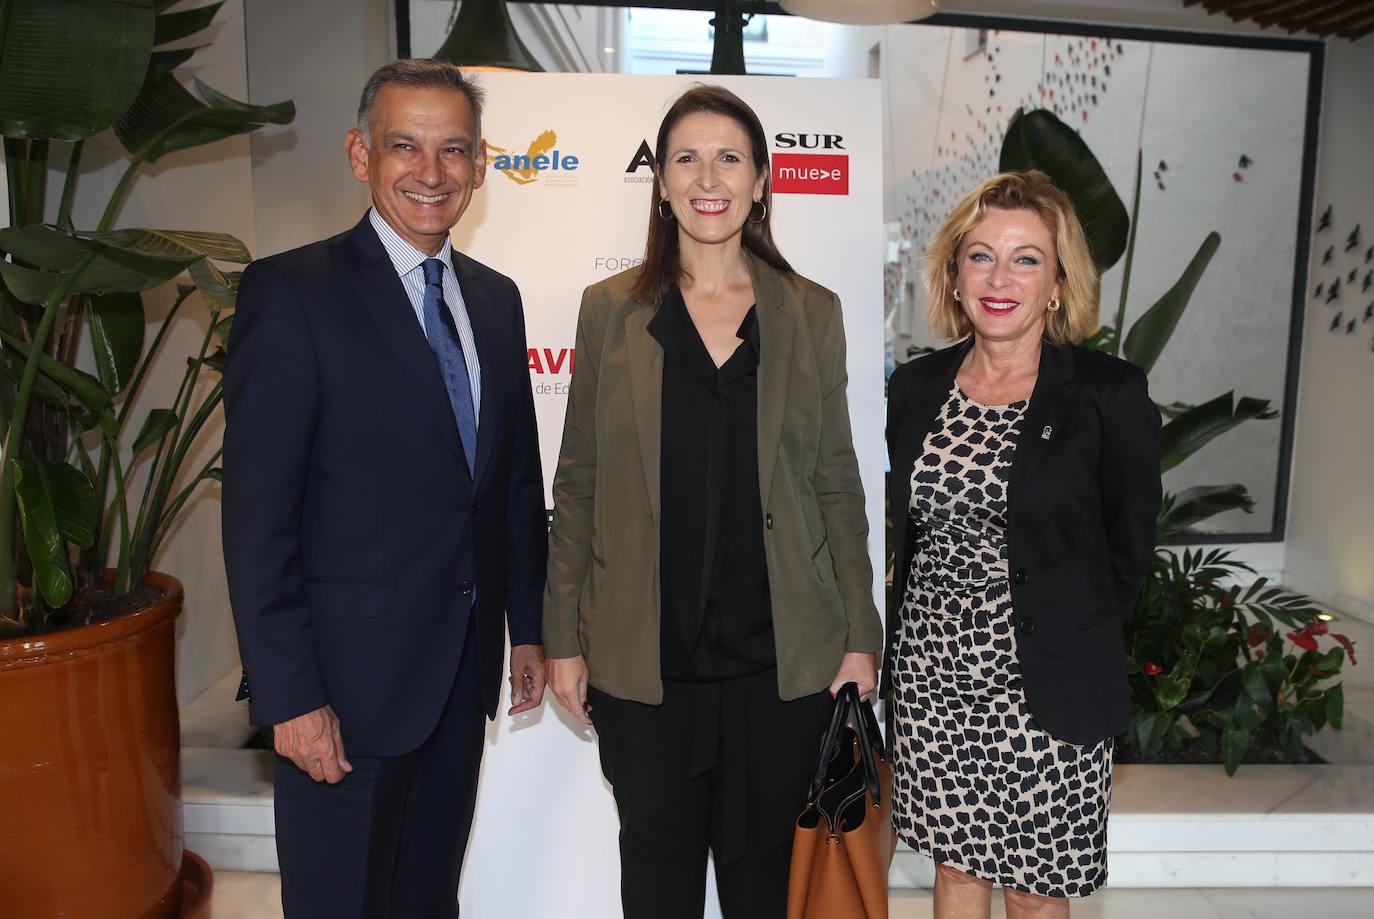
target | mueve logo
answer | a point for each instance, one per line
(643, 157)
(811, 173)
(542, 159)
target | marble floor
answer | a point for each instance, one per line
(248, 895)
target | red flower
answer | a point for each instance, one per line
(1348, 645)
(1321, 674)
(1153, 669)
(1257, 635)
(1225, 598)
(1316, 627)
(1306, 642)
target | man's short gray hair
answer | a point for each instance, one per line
(425, 72)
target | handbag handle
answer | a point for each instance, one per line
(847, 702)
(866, 723)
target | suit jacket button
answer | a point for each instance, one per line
(1026, 626)
(768, 521)
(474, 507)
(465, 587)
(1021, 576)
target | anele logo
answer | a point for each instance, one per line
(543, 159)
(787, 141)
(644, 157)
(811, 173)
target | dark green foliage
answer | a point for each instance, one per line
(1223, 669)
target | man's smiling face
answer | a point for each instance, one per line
(422, 160)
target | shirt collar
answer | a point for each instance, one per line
(672, 327)
(405, 257)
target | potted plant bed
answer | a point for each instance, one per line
(89, 486)
(89, 764)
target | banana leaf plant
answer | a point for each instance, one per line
(1039, 140)
(69, 70)
(1213, 674)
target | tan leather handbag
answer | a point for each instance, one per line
(843, 843)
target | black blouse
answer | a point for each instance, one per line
(717, 620)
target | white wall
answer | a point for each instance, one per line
(1331, 514)
(318, 53)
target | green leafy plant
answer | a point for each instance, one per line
(68, 71)
(1212, 670)
(1225, 670)
(1039, 140)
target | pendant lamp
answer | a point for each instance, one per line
(863, 12)
(483, 38)
(727, 55)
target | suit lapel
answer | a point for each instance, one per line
(776, 330)
(924, 405)
(1039, 429)
(646, 392)
(385, 300)
(481, 317)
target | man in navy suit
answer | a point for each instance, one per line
(384, 514)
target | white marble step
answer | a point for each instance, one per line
(1171, 826)
(243, 895)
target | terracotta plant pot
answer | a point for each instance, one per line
(90, 780)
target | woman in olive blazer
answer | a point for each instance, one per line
(707, 729)
(602, 601)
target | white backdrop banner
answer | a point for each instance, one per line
(565, 204)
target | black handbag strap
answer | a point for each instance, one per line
(847, 704)
(828, 744)
(870, 741)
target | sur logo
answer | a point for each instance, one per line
(541, 158)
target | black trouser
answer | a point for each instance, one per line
(722, 766)
(388, 841)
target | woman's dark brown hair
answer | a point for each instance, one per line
(662, 267)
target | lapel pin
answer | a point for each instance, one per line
(1045, 434)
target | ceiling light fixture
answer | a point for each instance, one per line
(863, 12)
(483, 38)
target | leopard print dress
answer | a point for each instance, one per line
(977, 784)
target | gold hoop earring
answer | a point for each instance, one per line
(667, 216)
(1053, 305)
(957, 298)
(762, 217)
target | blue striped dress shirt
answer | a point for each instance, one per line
(407, 261)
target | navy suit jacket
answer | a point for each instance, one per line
(355, 536)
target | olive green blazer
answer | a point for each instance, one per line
(602, 598)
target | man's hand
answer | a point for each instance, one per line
(312, 741)
(857, 667)
(568, 679)
(526, 678)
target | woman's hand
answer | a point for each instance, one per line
(856, 667)
(568, 680)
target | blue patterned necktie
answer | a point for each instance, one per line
(448, 351)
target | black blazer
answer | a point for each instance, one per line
(1084, 496)
(354, 533)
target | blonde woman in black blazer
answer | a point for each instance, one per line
(1024, 493)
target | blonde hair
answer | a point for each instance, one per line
(1026, 191)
